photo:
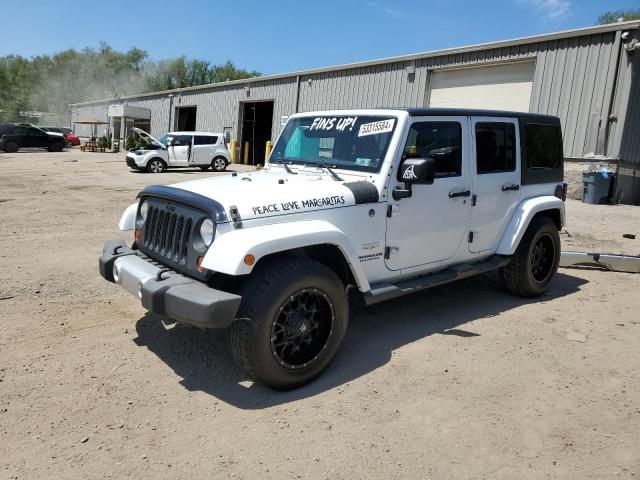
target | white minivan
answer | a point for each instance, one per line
(180, 149)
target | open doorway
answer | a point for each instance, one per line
(257, 119)
(186, 119)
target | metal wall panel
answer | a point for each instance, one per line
(98, 110)
(386, 85)
(573, 79)
(219, 106)
(624, 136)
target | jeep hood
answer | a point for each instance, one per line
(273, 192)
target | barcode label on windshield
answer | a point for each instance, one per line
(376, 128)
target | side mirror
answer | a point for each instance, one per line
(420, 171)
(417, 170)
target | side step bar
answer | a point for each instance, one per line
(385, 291)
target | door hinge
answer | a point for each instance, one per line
(391, 209)
(474, 200)
(470, 237)
(388, 251)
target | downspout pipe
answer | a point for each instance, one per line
(297, 93)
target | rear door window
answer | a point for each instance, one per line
(495, 147)
(205, 140)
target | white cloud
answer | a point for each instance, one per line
(550, 8)
(383, 8)
(393, 13)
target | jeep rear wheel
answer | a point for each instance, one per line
(156, 165)
(535, 261)
(291, 322)
(11, 147)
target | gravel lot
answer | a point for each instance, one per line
(464, 381)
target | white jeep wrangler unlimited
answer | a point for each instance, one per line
(368, 204)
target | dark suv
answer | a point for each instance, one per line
(15, 137)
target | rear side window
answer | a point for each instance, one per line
(543, 146)
(440, 141)
(495, 147)
(205, 140)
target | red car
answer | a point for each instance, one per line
(71, 138)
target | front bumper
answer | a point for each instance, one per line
(131, 163)
(166, 292)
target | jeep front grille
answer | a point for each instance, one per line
(168, 234)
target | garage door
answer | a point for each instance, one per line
(499, 87)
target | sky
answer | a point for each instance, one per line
(284, 36)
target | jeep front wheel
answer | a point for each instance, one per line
(535, 261)
(291, 322)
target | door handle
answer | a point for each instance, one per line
(464, 193)
(506, 188)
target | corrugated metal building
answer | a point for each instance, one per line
(587, 77)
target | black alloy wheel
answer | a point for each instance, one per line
(542, 257)
(302, 328)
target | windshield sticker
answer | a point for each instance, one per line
(375, 128)
(334, 123)
(363, 162)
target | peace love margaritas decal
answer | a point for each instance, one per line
(332, 201)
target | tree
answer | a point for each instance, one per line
(613, 16)
(49, 83)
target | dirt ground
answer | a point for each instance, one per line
(464, 381)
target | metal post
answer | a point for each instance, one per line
(246, 153)
(170, 111)
(234, 152)
(267, 151)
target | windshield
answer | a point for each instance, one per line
(166, 139)
(351, 143)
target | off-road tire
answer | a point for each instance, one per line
(155, 165)
(272, 286)
(219, 164)
(11, 147)
(518, 276)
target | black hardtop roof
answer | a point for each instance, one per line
(441, 112)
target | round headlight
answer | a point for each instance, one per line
(207, 229)
(142, 217)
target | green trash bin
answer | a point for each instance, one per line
(596, 187)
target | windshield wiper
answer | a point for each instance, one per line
(286, 167)
(329, 168)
